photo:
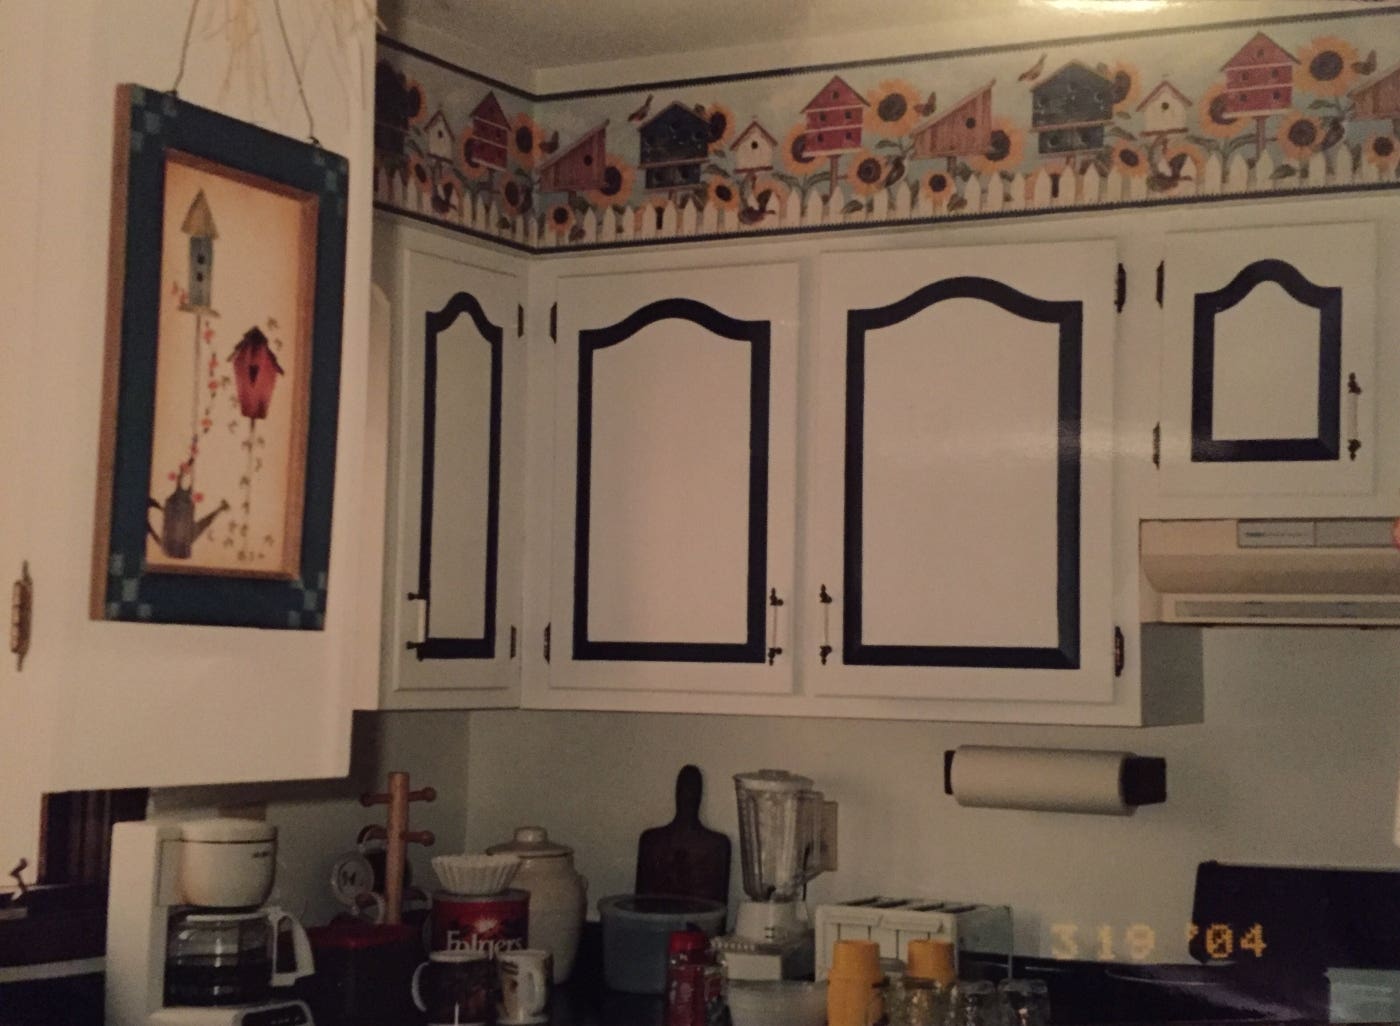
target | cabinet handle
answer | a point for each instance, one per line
(824, 597)
(774, 603)
(1353, 416)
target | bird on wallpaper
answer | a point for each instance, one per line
(1367, 66)
(928, 106)
(640, 114)
(548, 146)
(1033, 72)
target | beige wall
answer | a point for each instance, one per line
(1296, 763)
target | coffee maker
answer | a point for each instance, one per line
(189, 941)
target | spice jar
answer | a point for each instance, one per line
(694, 981)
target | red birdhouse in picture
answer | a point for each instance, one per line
(255, 369)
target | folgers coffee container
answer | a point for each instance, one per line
(482, 922)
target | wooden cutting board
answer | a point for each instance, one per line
(684, 857)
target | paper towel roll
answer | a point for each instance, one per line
(1054, 779)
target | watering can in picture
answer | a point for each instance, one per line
(179, 528)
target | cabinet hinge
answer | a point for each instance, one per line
(554, 322)
(512, 641)
(1161, 281)
(1157, 445)
(546, 641)
(21, 615)
(1118, 651)
(1120, 285)
(519, 320)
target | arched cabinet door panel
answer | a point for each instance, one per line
(1268, 362)
(675, 461)
(961, 490)
(452, 587)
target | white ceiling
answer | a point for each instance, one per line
(541, 34)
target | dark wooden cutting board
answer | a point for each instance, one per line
(684, 857)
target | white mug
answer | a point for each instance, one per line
(526, 976)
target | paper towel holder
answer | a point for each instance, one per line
(1142, 779)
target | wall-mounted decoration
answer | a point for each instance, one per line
(227, 270)
(1287, 105)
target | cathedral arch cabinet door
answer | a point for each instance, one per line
(674, 481)
(1268, 362)
(452, 593)
(960, 507)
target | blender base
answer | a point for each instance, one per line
(772, 940)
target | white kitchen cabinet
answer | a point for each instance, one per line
(105, 704)
(960, 475)
(1269, 361)
(673, 481)
(452, 578)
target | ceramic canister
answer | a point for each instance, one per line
(558, 894)
(491, 923)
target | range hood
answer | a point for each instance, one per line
(1338, 572)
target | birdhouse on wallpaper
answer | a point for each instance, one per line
(255, 370)
(1070, 108)
(490, 130)
(1165, 110)
(1378, 100)
(835, 119)
(753, 149)
(580, 166)
(1259, 78)
(962, 130)
(674, 145)
(199, 226)
(441, 141)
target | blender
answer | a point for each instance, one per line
(780, 835)
(189, 941)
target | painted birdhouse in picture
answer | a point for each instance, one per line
(441, 141)
(490, 132)
(579, 166)
(1378, 100)
(963, 130)
(199, 226)
(1165, 110)
(255, 371)
(1259, 79)
(674, 144)
(835, 119)
(753, 149)
(1070, 109)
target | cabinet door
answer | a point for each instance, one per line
(454, 552)
(960, 494)
(674, 469)
(1268, 361)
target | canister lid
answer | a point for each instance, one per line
(227, 831)
(530, 842)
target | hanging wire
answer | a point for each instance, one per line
(296, 73)
(184, 48)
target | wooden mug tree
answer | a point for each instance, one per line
(397, 837)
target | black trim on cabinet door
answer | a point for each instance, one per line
(1069, 315)
(434, 323)
(1327, 300)
(758, 335)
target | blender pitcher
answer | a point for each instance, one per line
(779, 824)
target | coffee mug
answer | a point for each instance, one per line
(456, 988)
(526, 976)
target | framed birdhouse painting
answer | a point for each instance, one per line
(222, 371)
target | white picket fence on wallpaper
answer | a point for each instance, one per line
(981, 194)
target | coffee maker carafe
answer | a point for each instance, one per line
(189, 941)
